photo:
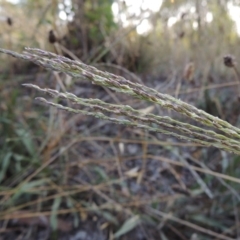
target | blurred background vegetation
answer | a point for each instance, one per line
(66, 176)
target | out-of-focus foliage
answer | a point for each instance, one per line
(90, 27)
(179, 32)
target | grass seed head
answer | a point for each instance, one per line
(229, 61)
(52, 37)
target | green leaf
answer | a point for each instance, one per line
(4, 165)
(109, 217)
(209, 222)
(70, 204)
(54, 218)
(26, 140)
(129, 225)
(26, 187)
(101, 173)
(163, 236)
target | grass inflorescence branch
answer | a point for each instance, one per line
(228, 140)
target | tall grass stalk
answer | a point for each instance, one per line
(213, 131)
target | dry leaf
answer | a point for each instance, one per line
(132, 172)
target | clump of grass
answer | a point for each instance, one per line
(212, 132)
